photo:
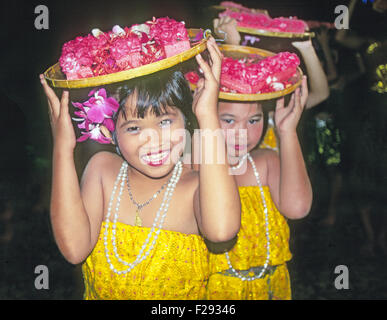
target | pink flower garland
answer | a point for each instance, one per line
(95, 116)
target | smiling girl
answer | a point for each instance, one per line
(137, 219)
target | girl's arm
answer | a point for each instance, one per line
(287, 176)
(74, 230)
(216, 201)
(318, 82)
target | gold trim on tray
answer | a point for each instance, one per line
(219, 7)
(56, 78)
(266, 33)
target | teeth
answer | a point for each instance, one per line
(155, 157)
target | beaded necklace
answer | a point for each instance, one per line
(163, 208)
(234, 271)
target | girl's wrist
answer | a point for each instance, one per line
(207, 118)
(289, 134)
(62, 151)
(212, 124)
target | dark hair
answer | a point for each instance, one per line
(156, 92)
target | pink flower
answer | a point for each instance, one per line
(167, 31)
(121, 49)
(78, 58)
(96, 114)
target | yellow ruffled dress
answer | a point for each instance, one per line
(249, 253)
(176, 268)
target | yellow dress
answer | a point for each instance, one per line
(270, 139)
(176, 268)
(250, 251)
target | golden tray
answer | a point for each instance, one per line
(261, 32)
(219, 7)
(57, 79)
(238, 52)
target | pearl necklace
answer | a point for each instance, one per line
(234, 271)
(241, 161)
(163, 207)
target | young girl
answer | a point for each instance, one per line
(272, 187)
(135, 220)
(318, 83)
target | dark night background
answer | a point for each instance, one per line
(25, 150)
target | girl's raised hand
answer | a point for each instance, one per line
(58, 111)
(227, 25)
(205, 99)
(286, 118)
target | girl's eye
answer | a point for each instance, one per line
(165, 123)
(133, 129)
(228, 121)
(252, 121)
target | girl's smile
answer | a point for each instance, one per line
(156, 159)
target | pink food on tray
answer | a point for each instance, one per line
(264, 22)
(103, 53)
(231, 4)
(248, 76)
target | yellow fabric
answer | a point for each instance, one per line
(274, 286)
(250, 251)
(270, 139)
(177, 267)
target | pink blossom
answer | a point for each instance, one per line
(94, 134)
(94, 113)
(125, 48)
(167, 31)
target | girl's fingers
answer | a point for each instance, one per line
(216, 58)
(199, 85)
(280, 103)
(298, 104)
(205, 67)
(292, 100)
(304, 91)
(53, 101)
(64, 103)
(47, 89)
(216, 24)
(216, 47)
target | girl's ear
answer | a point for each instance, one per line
(107, 134)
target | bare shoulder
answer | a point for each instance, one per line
(103, 163)
(266, 155)
(105, 157)
(267, 163)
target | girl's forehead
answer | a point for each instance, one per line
(131, 109)
(239, 108)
